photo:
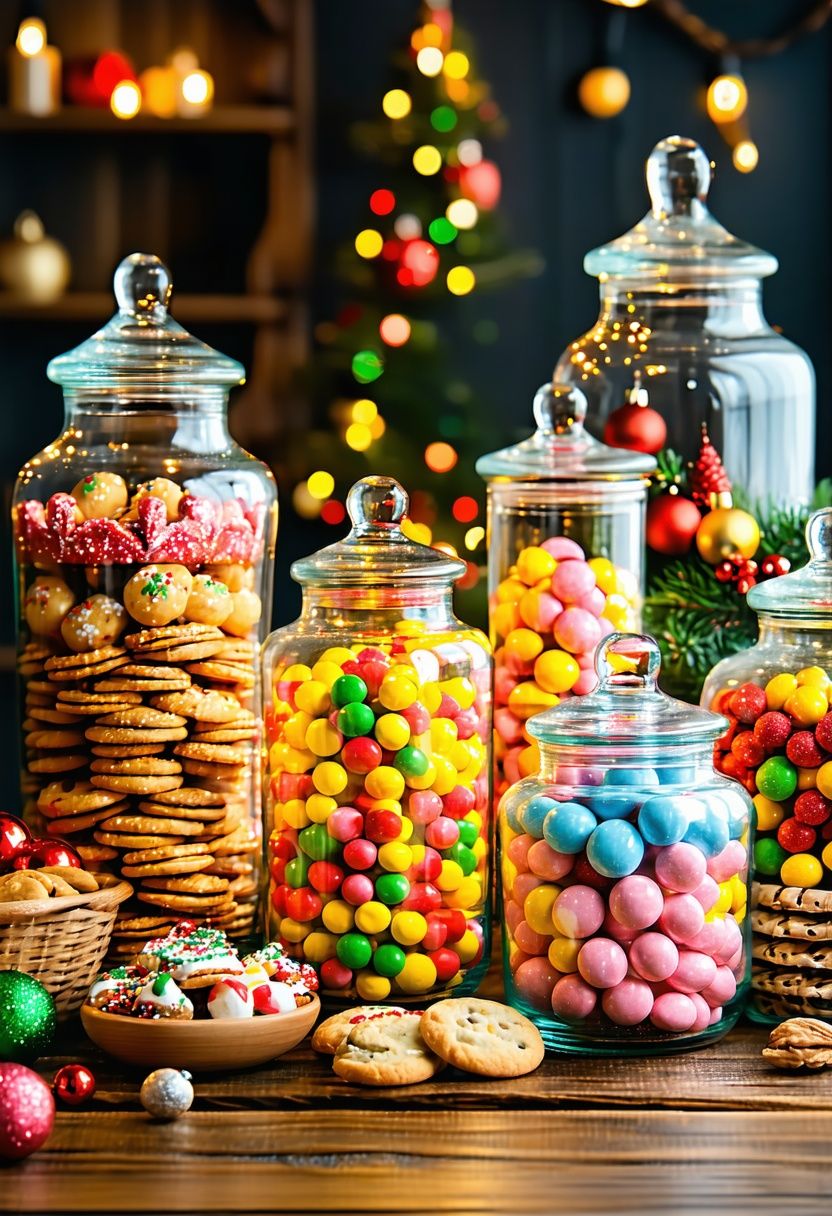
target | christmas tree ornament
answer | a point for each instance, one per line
(167, 1093)
(710, 485)
(27, 1111)
(27, 1017)
(14, 835)
(73, 1084)
(725, 533)
(774, 565)
(672, 523)
(635, 424)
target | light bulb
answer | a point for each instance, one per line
(198, 88)
(746, 156)
(604, 92)
(126, 99)
(727, 98)
(31, 37)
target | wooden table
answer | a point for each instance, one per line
(712, 1131)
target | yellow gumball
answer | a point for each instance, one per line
(409, 928)
(534, 564)
(338, 916)
(825, 779)
(815, 676)
(417, 975)
(563, 952)
(505, 618)
(807, 705)
(779, 689)
(801, 870)
(537, 908)
(528, 699)
(468, 947)
(371, 987)
(313, 698)
(769, 814)
(318, 947)
(556, 671)
(605, 573)
(372, 917)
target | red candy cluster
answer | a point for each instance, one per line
(206, 531)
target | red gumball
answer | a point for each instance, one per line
(73, 1084)
(13, 836)
(773, 729)
(812, 808)
(672, 524)
(748, 703)
(637, 427)
(27, 1111)
(748, 749)
(803, 751)
(823, 732)
(446, 962)
(796, 837)
(54, 852)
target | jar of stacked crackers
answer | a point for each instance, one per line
(144, 540)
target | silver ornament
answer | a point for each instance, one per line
(167, 1093)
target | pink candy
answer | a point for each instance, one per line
(535, 980)
(577, 630)
(572, 580)
(547, 863)
(680, 867)
(682, 918)
(578, 911)
(628, 1003)
(602, 962)
(673, 1011)
(694, 973)
(573, 999)
(654, 956)
(636, 902)
(561, 548)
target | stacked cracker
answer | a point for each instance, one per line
(792, 950)
(146, 756)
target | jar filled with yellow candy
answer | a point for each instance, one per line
(378, 767)
(565, 565)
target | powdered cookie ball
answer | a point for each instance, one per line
(100, 495)
(160, 487)
(245, 614)
(157, 595)
(235, 576)
(47, 602)
(210, 601)
(97, 621)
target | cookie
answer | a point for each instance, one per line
(792, 899)
(789, 1007)
(804, 928)
(92, 709)
(793, 954)
(183, 903)
(125, 681)
(156, 595)
(135, 840)
(169, 866)
(204, 704)
(188, 884)
(82, 823)
(144, 718)
(57, 764)
(80, 696)
(386, 1050)
(136, 766)
(333, 1030)
(168, 852)
(150, 926)
(224, 672)
(47, 740)
(78, 879)
(22, 885)
(213, 753)
(483, 1037)
(783, 983)
(131, 735)
(145, 784)
(171, 635)
(87, 665)
(217, 773)
(151, 825)
(192, 795)
(231, 733)
(123, 751)
(57, 717)
(204, 814)
(96, 622)
(94, 855)
(62, 798)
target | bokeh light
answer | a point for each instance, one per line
(746, 156)
(443, 118)
(727, 98)
(407, 227)
(465, 509)
(445, 546)
(427, 160)
(367, 366)
(306, 506)
(604, 92)
(358, 436)
(396, 103)
(456, 65)
(420, 261)
(429, 60)
(364, 410)
(469, 152)
(31, 37)
(461, 280)
(429, 34)
(320, 484)
(382, 202)
(462, 213)
(421, 533)
(369, 243)
(126, 99)
(474, 537)
(440, 457)
(333, 512)
(441, 230)
(470, 578)
(394, 329)
(198, 88)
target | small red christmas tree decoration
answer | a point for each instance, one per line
(709, 483)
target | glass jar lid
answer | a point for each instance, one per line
(561, 449)
(142, 346)
(376, 551)
(628, 709)
(806, 593)
(679, 241)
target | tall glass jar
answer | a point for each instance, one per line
(681, 304)
(565, 565)
(777, 697)
(378, 727)
(624, 867)
(145, 549)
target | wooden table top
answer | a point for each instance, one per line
(714, 1130)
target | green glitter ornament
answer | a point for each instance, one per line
(27, 1018)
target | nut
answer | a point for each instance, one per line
(800, 1043)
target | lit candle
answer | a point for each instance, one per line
(34, 71)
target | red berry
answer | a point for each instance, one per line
(773, 729)
(823, 732)
(812, 808)
(748, 703)
(795, 837)
(748, 749)
(802, 750)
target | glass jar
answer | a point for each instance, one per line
(681, 304)
(777, 698)
(145, 549)
(565, 565)
(624, 867)
(378, 726)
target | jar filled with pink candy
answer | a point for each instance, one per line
(565, 565)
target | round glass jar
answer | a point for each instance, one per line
(777, 697)
(624, 870)
(565, 565)
(681, 304)
(145, 548)
(378, 730)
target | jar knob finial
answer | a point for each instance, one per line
(142, 285)
(819, 536)
(678, 176)
(375, 503)
(559, 409)
(628, 660)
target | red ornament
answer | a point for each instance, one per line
(73, 1084)
(634, 424)
(14, 836)
(724, 572)
(672, 522)
(774, 565)
(708, 479)
(481, 183)
(54, 852)
(27, 1111)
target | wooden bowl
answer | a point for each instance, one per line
(209, 1045)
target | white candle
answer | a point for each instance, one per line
(34, 71)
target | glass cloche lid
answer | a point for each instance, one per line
(376, 552)
(561, 449)
(628, 709)
(679, 240)
(804, 594)
(142, 347)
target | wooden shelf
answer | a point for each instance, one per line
(222, 120)
(99, 305)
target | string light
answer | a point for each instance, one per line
(358, 437)
(429, 60)
(367, 366)
(604, 91)
(456, 65)
(158, 86)
(440, 457)
(364, 411)
(198, 88)
(429, 34)
(394, 329)
(420, 262)
(333, 512)
(31, 37)
(320, 484)
(465, 509)
(407, 227)
(462, 213)
(427, 160)
(727, 98)
(746, 156)
(377, 427)
(460, 280)
(474, 537)
(396, 104)
(368, 243)
(126, 99)
(469, 152)
(382, 202)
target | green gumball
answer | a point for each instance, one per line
(27, 1018)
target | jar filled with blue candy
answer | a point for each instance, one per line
(624, 869)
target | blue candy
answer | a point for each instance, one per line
(615, 849)
(631, 776)
(680, 774)
(665, 818)
(710, 832)
(612, 804)
(533, 814)
(511, 807)
(567, 827)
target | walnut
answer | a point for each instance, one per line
(800, 1043)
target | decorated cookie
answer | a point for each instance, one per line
(160, 487)
(245, 613)
(190, 953)
(162, 998)
(157, 595)
(97, 621)
(333, 1030)
(47, 602)
(210, 602)
(100, 495)
(116, 991)
(274, 997)
(230, 998)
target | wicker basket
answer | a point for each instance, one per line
(61, 942)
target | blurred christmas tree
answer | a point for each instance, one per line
(385, 374)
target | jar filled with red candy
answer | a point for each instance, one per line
(777, 697)
(566, 518)
(378, 730)
(624, 869)
(145, 545)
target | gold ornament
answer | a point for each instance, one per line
(727, 532)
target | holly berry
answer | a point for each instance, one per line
(774, 565)
(725, 572)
